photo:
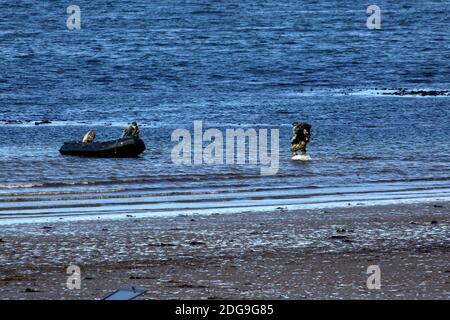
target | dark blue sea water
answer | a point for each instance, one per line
(232, 64)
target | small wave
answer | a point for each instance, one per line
(21, 186)
(207, 12)
(411, 180)
(361, 158)
(142, 180)
(44, 185)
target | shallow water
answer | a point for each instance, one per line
(233, 64)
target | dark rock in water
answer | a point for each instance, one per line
(434, 222)
(438, 206)
(339, 236)
(144, 277)
(12, 121)
(188, 285)
(422, 93)
(129, 216)
(37, 123)
(341, 230)
(47, 227)
(1, 241)
(28, 290)
(197, 243)
(161, 244)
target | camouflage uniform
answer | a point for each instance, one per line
(298, 146)
(299, 139)
(131, 132)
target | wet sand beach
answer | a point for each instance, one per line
(284, 254)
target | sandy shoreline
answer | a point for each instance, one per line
(306, 254)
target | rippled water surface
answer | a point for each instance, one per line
(232, 64)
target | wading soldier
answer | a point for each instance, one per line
(301, 133)
(131, 131)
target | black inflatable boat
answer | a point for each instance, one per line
(126, 147)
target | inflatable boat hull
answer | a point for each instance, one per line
(127, 147)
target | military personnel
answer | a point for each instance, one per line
(89, 137)
(131, 131)
(301, 133)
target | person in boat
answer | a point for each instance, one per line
(89, 137)
(301, 133)
(131, 131)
